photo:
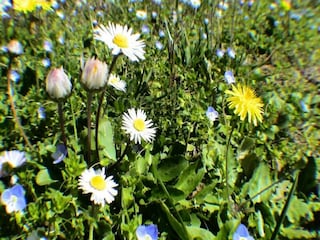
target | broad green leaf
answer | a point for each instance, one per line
(43, 178)
(249, 163)
(258, 184)
(170, 168)
(200, 233)
(143, 162)
(297, 210)
(190, 179)
(106, 139)
(296, 233)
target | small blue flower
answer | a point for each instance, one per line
(60, 153)
(94, 22)
(161, 33)
(145, 29)
(13, 198)
(46, 62)
(55, 5)
(159, 45)
(304, 107)
(231, 53)
(41, 112)
(47, 46)
(195, 4)
(100, 13)
(4, 6)
(14, 76)
(212, 114)
(220, 53)
(250, 3)
(242, 233)
(229, 77)
(147, 232)
(154, 15)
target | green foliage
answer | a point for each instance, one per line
(198, 179)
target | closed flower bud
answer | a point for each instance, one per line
(58, 85)
(95, 74)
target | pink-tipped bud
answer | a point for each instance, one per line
(58, 84)
(95, 74)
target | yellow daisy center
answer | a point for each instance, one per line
(98, 183)
(121, 40)
(139, 124)
(114, 80)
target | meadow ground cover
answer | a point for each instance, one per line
(159, 119)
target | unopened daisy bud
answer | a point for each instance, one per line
(95, 74)
(58, 85)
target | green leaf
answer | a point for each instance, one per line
(171, 168)
(43, 178)
(106, 140)
(246, 144)
(200, 233)
(297, 210)
(190, 179)
(294, 233)
(175, 224)
(258, 184)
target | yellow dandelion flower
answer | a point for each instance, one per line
(245, 103)
(30, 5)
(44, 4)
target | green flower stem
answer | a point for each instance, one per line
(113, 63)
(14, 112)
(89, 101)
(91, 232)
(74, 122)
(227, 168)
(285, 208)
(61, 120)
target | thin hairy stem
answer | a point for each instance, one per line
(89, 101)
(61, 121)
(14, 112)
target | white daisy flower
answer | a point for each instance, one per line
(121, 40)
(102, 189)
(14, 158)
(117, 83)
(135, 123)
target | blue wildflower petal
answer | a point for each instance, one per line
(144, 231)
(60, 154)
(14, 199)
(242, 233)
(229, 77)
